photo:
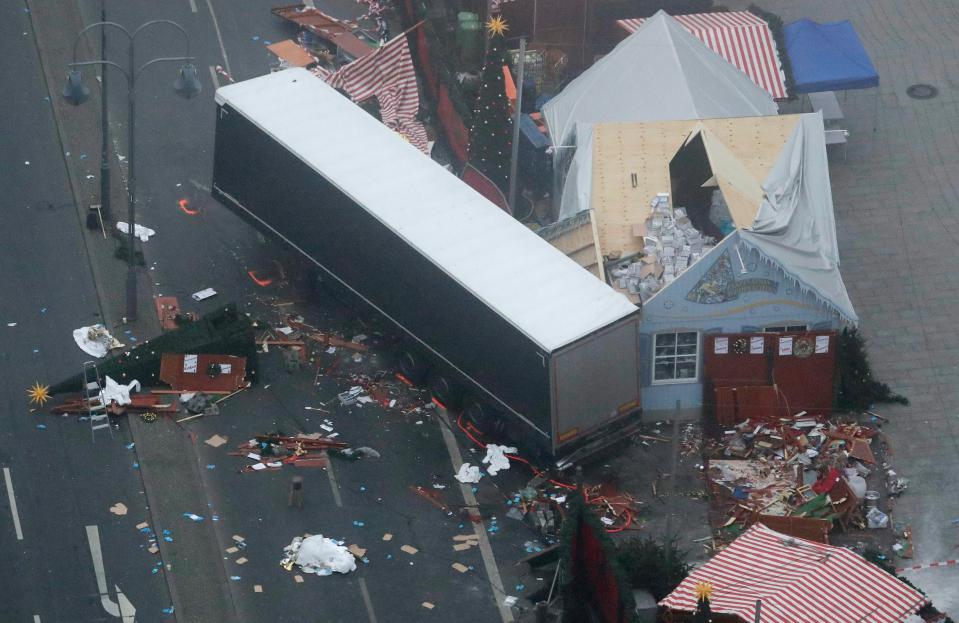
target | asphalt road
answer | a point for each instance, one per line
(61, 481)
(215, 249)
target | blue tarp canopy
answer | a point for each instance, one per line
(828, 57)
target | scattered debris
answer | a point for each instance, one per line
(319, 555)
(204, 294)
(468, 474)
(409, 549)
(95, 340)
(141, 232)
(497, 459)
(216, 441)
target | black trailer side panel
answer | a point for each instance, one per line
(283, 193)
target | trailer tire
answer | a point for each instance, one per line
(445, 391)
(413, 366)
(479, 414)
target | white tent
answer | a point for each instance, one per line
(795, 224)
(661, 72)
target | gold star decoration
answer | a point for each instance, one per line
(39, 394)
(704, 590)
(496, 26)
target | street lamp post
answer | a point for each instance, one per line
(187, 85)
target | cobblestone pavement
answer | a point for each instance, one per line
(897, 209)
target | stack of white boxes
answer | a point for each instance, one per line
(670, 246)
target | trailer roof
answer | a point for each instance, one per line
(522, 277)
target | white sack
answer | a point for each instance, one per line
(468, 474)
(319, 555)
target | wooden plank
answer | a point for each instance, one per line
(622, 149)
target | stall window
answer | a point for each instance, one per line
(675, 357)
(792, 328)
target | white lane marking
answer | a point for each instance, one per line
(13, 504)
(492, 571)
(367, 601)
(333, 485)
(124, 609)
(193, 5)
(36, 619)
(216, 81)
(127, 611)
(219, 37)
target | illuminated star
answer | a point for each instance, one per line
(39, 394)
(496, 26)
(704, 590)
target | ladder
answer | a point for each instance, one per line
(96, 409)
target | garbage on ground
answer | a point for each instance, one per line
(496, 457)
(95, 340)
(468, 474)
(119, 509)
(141, 232)
(877, 519)
(318, 554)
(361, 452)
(273, 451)
(115, 392)
(204, 294)
(806, 468)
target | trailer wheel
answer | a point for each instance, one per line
(479, 414)
(413, 366)
(445, 391)
(486, 418)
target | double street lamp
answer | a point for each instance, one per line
(187, 84)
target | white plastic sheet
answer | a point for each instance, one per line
(115, 392)
(496, 457)
(141, 232)
(468, 474)
(320, 555)
(95, 340)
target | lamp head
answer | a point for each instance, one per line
(187, 84)
(74, 91)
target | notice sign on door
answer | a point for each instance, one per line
(721, 345)
(785, 346)
(822, 344)
(757, 345)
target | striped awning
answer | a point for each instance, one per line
(798, 581)
(738, 36)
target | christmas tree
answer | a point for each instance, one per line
(492, 131)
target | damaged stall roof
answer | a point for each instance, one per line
(522, 277)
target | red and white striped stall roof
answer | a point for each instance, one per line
(738, 36)
(798, 581)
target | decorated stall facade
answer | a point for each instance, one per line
(721, 228)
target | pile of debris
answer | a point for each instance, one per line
(804, 468)
(670, 245)
(273, 451)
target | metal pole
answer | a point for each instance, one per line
(514, 156)
(131, 193)
(104, 122)
(759, 605)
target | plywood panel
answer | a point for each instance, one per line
(622, 150)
